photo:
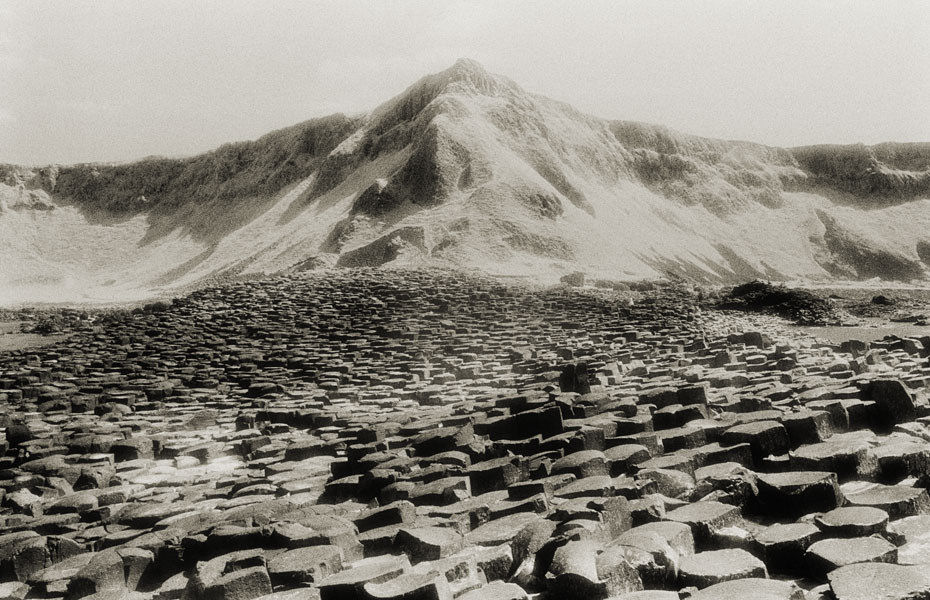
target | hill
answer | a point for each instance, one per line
(466, 169)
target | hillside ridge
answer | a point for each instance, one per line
(466, 169)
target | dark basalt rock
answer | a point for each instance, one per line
(399, 434)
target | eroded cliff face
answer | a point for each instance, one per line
(872, 176)
(466, 169)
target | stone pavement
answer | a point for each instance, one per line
(431, 435)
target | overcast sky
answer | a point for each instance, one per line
(120, 79)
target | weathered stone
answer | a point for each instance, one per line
(853, 521)
(753, 587)
(912, 536)
(902, 458)
(782, 546)
(705, 519)
(305, 565)
(896, 500)
(496, 590)
(579, 571)
(797, 493)
(13, 590)
(669, 482)
(136, 563)
(708, 568)
(680, 438)
(726, 482)
(500, 530)
(22, 554)
(807, 427)
(496, 474)
(428, 543)
(894, 403)
(582, 464)
(394, 513)
(621, 459)
(764, 438)
(241, 584)
(103, 572)
(132, 449)
(531, 538)
(829, 554)
(443, 439)
(430, 586)
(879, 581)
(496, 562)
(349, 584)
(648, 595)
(651, 555)
(847, 457)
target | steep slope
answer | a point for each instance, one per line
(872, 176)
(466, 169)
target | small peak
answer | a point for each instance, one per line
(465, 77)
(465, 69)
(470, 72)
(468, 65)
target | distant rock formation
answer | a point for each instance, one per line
(494, 178)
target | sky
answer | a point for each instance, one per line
(115, 80)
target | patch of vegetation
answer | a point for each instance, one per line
(232, 171)
(876, 175)
(46, 326)
(61, 321)
(151, 308)
(800, 306)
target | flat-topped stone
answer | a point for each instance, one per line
(428, 586)
(852, 521)
(798, 492)
(753, 587)
(849, 458)
(829, 554)
(585, 463)
(648, 595)
(705, 518)
(897, 500)
(428, 543)
(500, 531)
(715, 566)
(764, 438)
(305, 565)
(879, 581)
(349, 583)
(496, 590)
(782, 546)
(912, 536)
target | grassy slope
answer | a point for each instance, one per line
(243, 169)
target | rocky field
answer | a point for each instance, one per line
(366, 434)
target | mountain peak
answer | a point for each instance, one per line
(465, 77)
(467, 66)
(469, 72)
